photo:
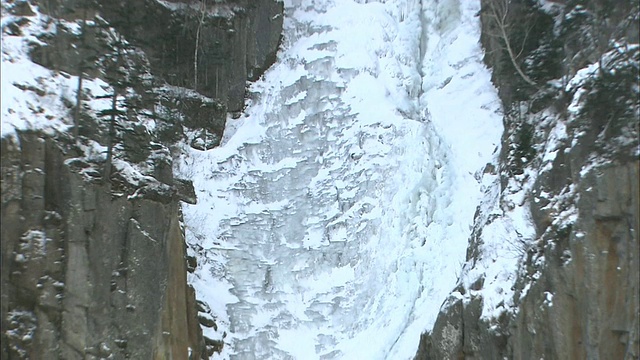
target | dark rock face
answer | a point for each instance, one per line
(190, 110)
(577, 292)
(86, 274)
(592, 271)
(97, 269)
(236, 41)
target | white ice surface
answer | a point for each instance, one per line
(334, 219)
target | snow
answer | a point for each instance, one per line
(22, 327)
(339, 208)
(36, 98)
(33, 97)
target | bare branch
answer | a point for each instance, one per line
(498, 11)
(81, 66)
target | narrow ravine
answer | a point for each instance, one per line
(337, 209)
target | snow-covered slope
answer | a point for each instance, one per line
(333, 220)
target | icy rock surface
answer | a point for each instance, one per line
(333, 220)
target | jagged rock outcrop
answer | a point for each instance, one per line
(570, 145)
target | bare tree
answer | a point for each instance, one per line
(497, 11)
(113, 112)
(81, 67)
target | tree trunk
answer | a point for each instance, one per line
(512, 56)
(499, 11)
(112, 134)
(195, 55)
(81, 65)
(76, 115)
(112, 119)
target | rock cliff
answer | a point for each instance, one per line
(570, 149)
(88, 272)
(226, 43)
(96, 267)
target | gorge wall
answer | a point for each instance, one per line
(95, 267)
(86, 271)
(571, 147)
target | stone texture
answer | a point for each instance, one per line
(88, 272)
(94, 272)
(595, 292)
(238, 40)
(590, 269)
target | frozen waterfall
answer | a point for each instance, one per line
(333, 220)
